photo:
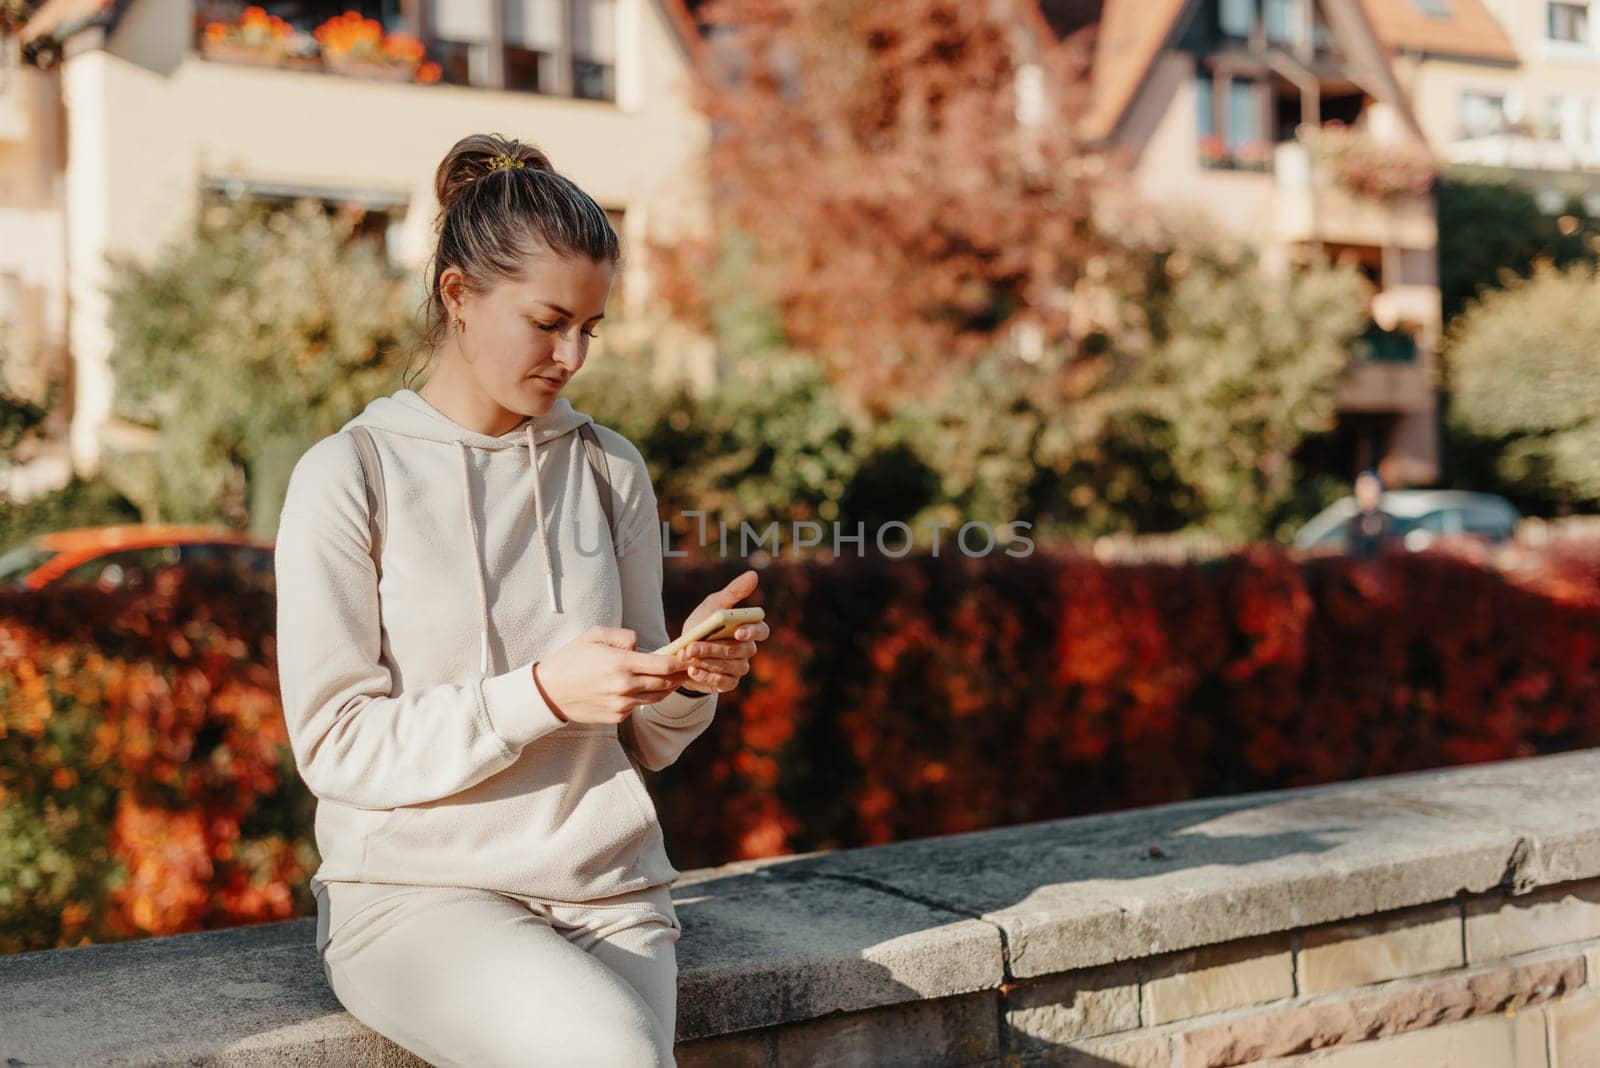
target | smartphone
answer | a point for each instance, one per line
(715, 627)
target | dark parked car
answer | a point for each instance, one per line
(1421, 518)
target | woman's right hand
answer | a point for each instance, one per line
(599, 677)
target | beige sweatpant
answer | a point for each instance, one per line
(475, 978)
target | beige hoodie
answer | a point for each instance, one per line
(410, 701)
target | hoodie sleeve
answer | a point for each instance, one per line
(661, 731)
(352, 742)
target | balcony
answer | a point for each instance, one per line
(566, 57)
(1313, 205)
(1386, 375)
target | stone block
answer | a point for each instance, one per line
(1125, 1051)
(1489, 1042)
(1396, 1008)
(1575, 1032)
(953, 1031)
(1393, 946)
(1214, 978)
(1504, 925)
(753, 1049)
(1040, 1013)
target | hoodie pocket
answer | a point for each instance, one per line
(569, 820)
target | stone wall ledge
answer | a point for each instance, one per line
(956, 921)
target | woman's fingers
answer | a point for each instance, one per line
(649, 663)
(703, 679)
(732, 665)
(653, 686)
(725, 650)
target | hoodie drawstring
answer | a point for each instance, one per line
(477, 561)
(538, 522)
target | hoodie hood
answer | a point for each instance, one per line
(406, 413)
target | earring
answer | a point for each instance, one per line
(458, 324)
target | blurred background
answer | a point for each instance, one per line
(1158, 277)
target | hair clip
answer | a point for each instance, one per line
(505, 162)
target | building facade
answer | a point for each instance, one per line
(1511, 87)
(133, 110)
(1284, 124)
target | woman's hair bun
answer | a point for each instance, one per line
(478, 155)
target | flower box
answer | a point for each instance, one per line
(366, 68)
(229, 52)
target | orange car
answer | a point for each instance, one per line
(114, 557)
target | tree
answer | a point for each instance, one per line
(1524, 367)
(1243, 367)
(246, 342)
(909, 204)
(1488, 227)
(19, 416)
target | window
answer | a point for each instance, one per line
(377, 215)
(1569, 21)
(533, 48)
(16, 564)
(1553, 122)
(1283, 21)
(1243, 114)
(1482, 114)
(1236, 18)
(1235, 23)
(305, 14)
(125, 569)
(533, 43)
(594, 37)
(1230, 121)
(462, 30)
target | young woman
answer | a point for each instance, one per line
(469, 705)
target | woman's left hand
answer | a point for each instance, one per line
(717, 666)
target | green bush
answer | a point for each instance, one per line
(1490, 229)
(1524, 368)
(82, 502)
(245, 342)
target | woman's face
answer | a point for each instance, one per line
(525, 337)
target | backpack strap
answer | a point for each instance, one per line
(377, 500)
(602, 476)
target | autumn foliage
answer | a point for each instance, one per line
(899, 699)
(145, 780)
(909, 173)
(146, 787)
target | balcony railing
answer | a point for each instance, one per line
(1316, 204)
(1378, 345)
(352, 44)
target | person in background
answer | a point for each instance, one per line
(1371, 526)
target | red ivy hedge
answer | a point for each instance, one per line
(146, 786)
